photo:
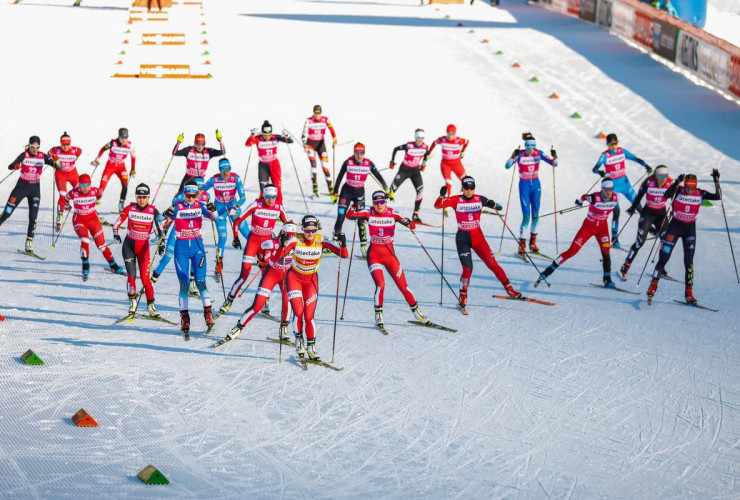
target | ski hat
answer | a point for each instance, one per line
(359, 148)
(611, 138)
(200, 182)
(190, 188)
(690, 181)
(289, 228)
(451, 129)
(85, 179)
(65, 139)
(380, 197)
(661, 170)
(310, 221)
(123, 133)
(419, 134)
(34, 139)
(266, 127)
(200, 138)
(270, 191)
(224, 165)
(317, 108)
(607, 184)
(142, 190)
(468, 182)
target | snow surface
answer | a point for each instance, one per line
(723, 20)
(600, 396)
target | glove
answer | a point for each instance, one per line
(284, 237)
(132, 174)
(95, 162)
(334, 198)
(631, 211)
(169, 213)
(715, 175)
(443, 191)
(236, 243)
(423, 167)
(306, 148)
(116, 237)
(579, 202)
(516, 152)
(255, 131)
(392, 165)
(219, 135)
(408, 223)
(334, 141)
(356, 207)
(553, 153)
(391, 195)
(17, 166)
(180, 138)
(601, 173)
(210, 206)
(342, 240)
(262, 257)
(426, 159)
(680, 178)
(160, 248)
(648, 168)
(285, 133)
(462, 154)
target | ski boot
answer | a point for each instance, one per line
(300, 346)
(120, 205)
(418, 314)
(616, 243)
(218, 270)
(154, 277)
(226, 305)
(132, 304)
(311, 349)
(185, 322)
(608, 283)
(652, 288)
(115, 268)
(624, 269)
(315, 189)
(522, 246)
(363, 250)
(511, 292)
(85, 269)
(689, 295)
(416, 218)
(379, 317)
(29, 245)
(544, 275)
(152, 310)
(266, 307)
(463, 302)
(234, 333)
(284, 337)
(533, 242)
(208, 315)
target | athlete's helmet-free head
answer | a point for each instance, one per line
(190, 189)
(468, 182)
(690, 181)
(419, 134)
(85, 179)
(266, 127)
(611, 139)
(65, 139)
(289, 228)
(661, 171)
(451, 129)
(380, 197)
(34, 140)
(310, 222)
(317, 109)
(607, 185)
(359, 148)
(224, 165)
(200, 139)
(142, 190)
(270, 191)
(123, 133)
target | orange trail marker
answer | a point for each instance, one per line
(83, 419)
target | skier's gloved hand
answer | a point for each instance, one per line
(356, 207)
(160, 248)
(219, 135)
(601, 173)
(334, 198)
(132, 174)
(392, 165)
(284, 237)
(236, 243)
(631, 211)
(553, 153)
(255, 131)
(426, 158)
(95, 162)
(306, 148)
(342, 240)
(516, 152)
(715, 175)
(408, 223)
(443, 191)
(391, 195)
(169, 213)
(210, 206)
(462, 154)
(17, 166)
(580, 200)
(334, 141)
(648, 169)
(492, 204)
(680, 178)
(423, 167)
(117, 237)
(180, 137)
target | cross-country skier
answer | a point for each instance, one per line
(118, 150)
(595, 224)
(652, 215)
(357, 168)
(614, 161)
(197, 156)
(453, 150)
(411, 168)
(382, 226)
(86, 223)
(303, 280)
(279, 255)
(68, 156)
(312, 138)
(683, 225)
(189, 251)
(530, 191)
(265, 212)
(142, 219)
(228, 194)
(30, 163)
(468, 207)
(268, 168)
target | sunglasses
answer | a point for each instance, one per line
(662, 176)
(142, 196)
(359, 153)
(191, 195)
(468, 188)
(380, 202)
(200, 143)
(309, 231)
(85, 185)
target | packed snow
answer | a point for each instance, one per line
(598, 396)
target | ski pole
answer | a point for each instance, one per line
(555, 208)
(336, 304)
(658, 237)
(249, 158)
(161, 181)
(283, 291)
(53, 203)
(218, 255)
(435, 264)
(625, 225)
(6, 177)
(333, 163)
(525, 252)
(506, 214)
(727, 227)
(349, 269)
(563, 211)
(298, 179)
(250, 283)
(60, 229)
(442, 272)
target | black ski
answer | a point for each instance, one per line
(616, 288)
(129, 317)
(429, 324)
(32, 254)
(540, 255)
(284, 341)
(154, 318)
(381, 329)
(695, 305)
(269, 316)
(318, 362)
(524, 299)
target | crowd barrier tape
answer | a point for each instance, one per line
(162, 71)
(708, 57)
(163, 38)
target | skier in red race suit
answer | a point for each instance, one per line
(268, 168)
(312, 138)
(411, 168)
(468, 207)
(381, 221)
(265, 213)
(596, 224)
(142, 218)
(68, 156)
(453, 150)
(279, 255)
(86, 223)
(197, 156)
(118, 150)
(683, 225)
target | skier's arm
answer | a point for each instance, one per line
(630, 156)
(465, 146)
(180, 152)
(340, 176)
(548, 159)
(336, 249)
(283, 216)
(443, 202)
(599, 164)
(52, 161)
(510, 163)
(640, 193)
(285, 139)
(240, 191)
(402, 147)
(671, 191)
(249, 211)
(251, 141)
(490, 203)
(352, 214)
(157, 227)
(215, 153)
(431, 148)
(105, 148)
(121, 218)
(331, 130)
(304, 134)
(16, 164)
(374, 172)
(208, 185)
